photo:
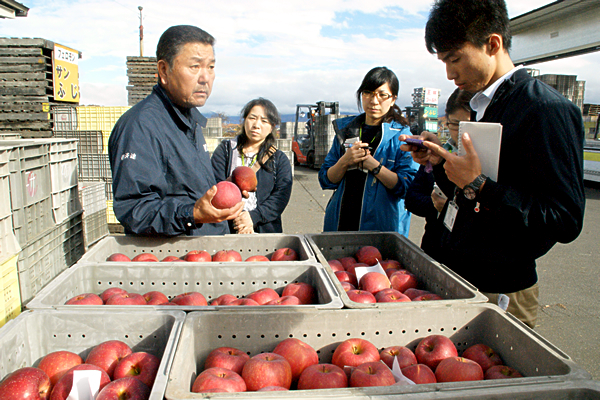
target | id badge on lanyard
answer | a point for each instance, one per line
(451, 213)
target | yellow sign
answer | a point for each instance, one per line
(65, 74)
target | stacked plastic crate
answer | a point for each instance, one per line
(285, 145)
(323, 137)
(214, 128)
(93, 201)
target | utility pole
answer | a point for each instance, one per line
(141, 32)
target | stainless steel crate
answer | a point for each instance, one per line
(33, 334)
(465, 324)
(432, 275)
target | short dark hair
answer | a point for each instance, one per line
(452, 23)
(375, 78)
(274, 119)
(174, 38)
(459, 99)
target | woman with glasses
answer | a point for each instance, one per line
(255, 147)
(365, 166)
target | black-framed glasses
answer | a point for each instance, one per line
(452, 124)
(381, 96)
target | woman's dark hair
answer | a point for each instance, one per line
(459, 99)
(174, 38)
(452, 23)
(375, 78)
(274, 119)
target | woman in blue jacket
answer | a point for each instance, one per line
(255, 147)
(365, 166)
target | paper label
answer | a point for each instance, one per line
(360, 271)
(400, 378)
(86, 385)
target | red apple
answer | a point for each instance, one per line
(85, 299)
(171, 259)
(227, 357)
(139, 365)
(299, 354)
(302, 290)
(284, 301)
(345, 276)
(118, 257)
(267, 369)
(347, 286)
(352, 268)
(335, 265)
(419, 374)
(428, 297)
(223, 299)
(245, 178)
(322, 376)
(63, 387)
(412, 293)
(390, 271)
(369, 255)
(189, 299)
(402, 280)
(198, 256)
(390, 264)
(263, 296)
(155, 298)
(347, 261)
(284, 254)
(373, 282)
(404, 355)
(433, 349)
(502, 372)
(227, 256)
(107, 355)
(371, 374)
(227, 196)
(145, 257)
(243, 302)
(126, 299)
(392, 296)
(57, 363)
(361, 296)
(458, 369)
(218, 378)
(26, 383)
(353, 352)
(125, 388)
(483, 355)
(110, 291)
(257, 258)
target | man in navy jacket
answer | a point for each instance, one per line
(163, 181)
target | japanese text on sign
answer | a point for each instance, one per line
(65, 74)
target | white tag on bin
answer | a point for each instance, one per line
(503, 301)
(360, 271)
(86, 385)
(398, 375)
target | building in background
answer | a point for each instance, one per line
(423, 114)
(567, 85)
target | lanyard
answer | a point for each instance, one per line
(360, 134)
(252, 160)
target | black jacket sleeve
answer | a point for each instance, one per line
(219, 161)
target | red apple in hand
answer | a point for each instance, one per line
(299, 354)
(371, 374)
(125, 388)
(126, 299)
(361, 296)
(25, 383)
(267, 369)
(322, 376)
(218, 378)
(85, 299)
(353, 352)
(374, 282)
(402, 280)
(107, 355)
(263, 296)
(257, 258)
(482, 355)
(227, 256)
(368, 255)
(336, 265)
(433, 349)
(302, 290)
(223, 299)
(404, 355)
(63, 387)
(118, 257)
(244, 178)
(227, 357)
(502, 372)
(145, 257)
(198, 256)
(189, 299)
(155, 298)
(284, 254)
(458, 369)
(284, 301)
(57, 363)
(419, 374)
(111, 291)
(227, 196)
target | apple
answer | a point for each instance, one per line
(85, 299)
(227, 357)
(322, 376)
(373, 282)
(404, 355)
(432, 349)
(63, 387)
(428, 297)
(390, 271)
(299, 354)
(227, 196)
(369, 255)
(118, 257)
(105, 295)
(263, 296)
(335, 265)
(352, 268)
(227, 256)
(272, 389)
(284, 254)
(107, 355)
(347, 286)
(155, 297)
(392, 296)
(502, 372)
(483, 355)
(223, 300)
(413, 292)
(198, 256)
(244, 178)
(145, 257)
(189, 299)
(125, 388)
(218, 378)
(345, 276)
(139, 365)
(257, 258)
(243, 302)
(361, 296)
(57, 363)
(267, 369)
(302, 290)
(402, 280)
(390, 264)
(419, 374)
(347, 261)
(458, 369)
(126, 299)
(371, 374)
(26, 383)
(353, 352)
(284, 301)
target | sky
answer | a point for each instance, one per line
(288, 51)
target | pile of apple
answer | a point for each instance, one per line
(398, 285)
(282, 254)
(124, 374)
(294, 364)
(295, 293)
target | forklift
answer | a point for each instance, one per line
(303, 145)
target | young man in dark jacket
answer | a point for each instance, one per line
(501, 227)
